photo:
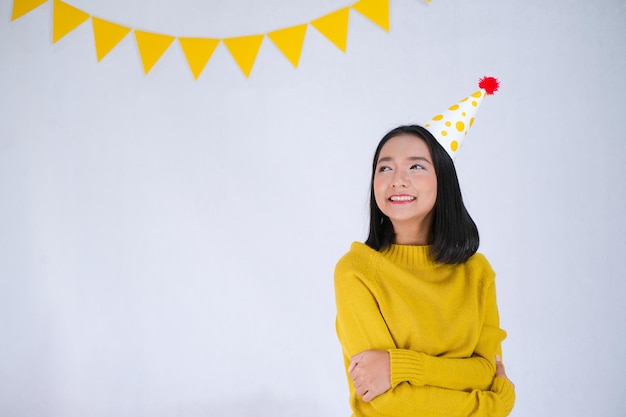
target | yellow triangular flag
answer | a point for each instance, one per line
(244, 49)
(290, 41)
(334, 27)
(198, 52)
(151, 47)
(375, 10)
(107, 35)
(65, 19)
(21, 7)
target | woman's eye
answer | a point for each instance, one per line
(417, 166)
(384, 169)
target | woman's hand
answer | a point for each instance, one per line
(370, 372)
(500, 369)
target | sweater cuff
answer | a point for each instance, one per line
(406, 366)
(506, 391)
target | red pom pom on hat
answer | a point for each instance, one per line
(489, 84)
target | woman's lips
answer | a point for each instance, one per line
(401, 198)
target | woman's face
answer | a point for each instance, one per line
(405, 183)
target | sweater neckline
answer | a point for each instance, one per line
(407, 256)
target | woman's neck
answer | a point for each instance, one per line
(413, 233)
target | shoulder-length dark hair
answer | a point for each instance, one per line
(454, 233)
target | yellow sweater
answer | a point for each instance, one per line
(438, 322)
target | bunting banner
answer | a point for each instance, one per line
(198, 51)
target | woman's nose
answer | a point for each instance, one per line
(400, 180)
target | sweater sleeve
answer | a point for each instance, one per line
(360, 326)
(406, 400)
(475, 372)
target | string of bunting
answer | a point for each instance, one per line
(198, 51)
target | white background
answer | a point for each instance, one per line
(167, 244)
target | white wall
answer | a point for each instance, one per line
(167, 245)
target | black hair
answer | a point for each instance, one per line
(454, 233)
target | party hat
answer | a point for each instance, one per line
(451, 126)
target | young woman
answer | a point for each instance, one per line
(416, 305)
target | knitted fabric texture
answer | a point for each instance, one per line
(439, 324)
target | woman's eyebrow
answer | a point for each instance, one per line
(418, 158)
(410, 158)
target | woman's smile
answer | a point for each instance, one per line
(401, 198)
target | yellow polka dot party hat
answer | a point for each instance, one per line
(451, 126)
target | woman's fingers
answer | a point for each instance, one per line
(500, 367)
(367, 397)
(354, 361)
(370, 373)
